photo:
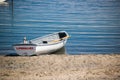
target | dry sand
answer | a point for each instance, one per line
(60, 67)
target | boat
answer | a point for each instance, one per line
(3, 3)
(42, 45)
(2, 0)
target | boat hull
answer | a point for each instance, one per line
(32, 49)
(49, 48)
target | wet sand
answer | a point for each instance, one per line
(60, 67)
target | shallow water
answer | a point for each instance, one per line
(94, 26)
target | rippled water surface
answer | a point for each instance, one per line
(94, 25)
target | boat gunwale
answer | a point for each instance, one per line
(24, 44)
(40, 44)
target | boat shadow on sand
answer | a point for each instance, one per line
(58, 52)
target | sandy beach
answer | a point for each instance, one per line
(60, 67)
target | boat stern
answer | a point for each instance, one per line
(25, 49)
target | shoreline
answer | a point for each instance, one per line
(61, 67)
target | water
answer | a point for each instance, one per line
(94, 25)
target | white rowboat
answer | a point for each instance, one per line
(42, 45)
(2, 0)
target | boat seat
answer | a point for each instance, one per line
(62, 35)
(45, 42)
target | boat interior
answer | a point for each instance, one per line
(50, 39)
